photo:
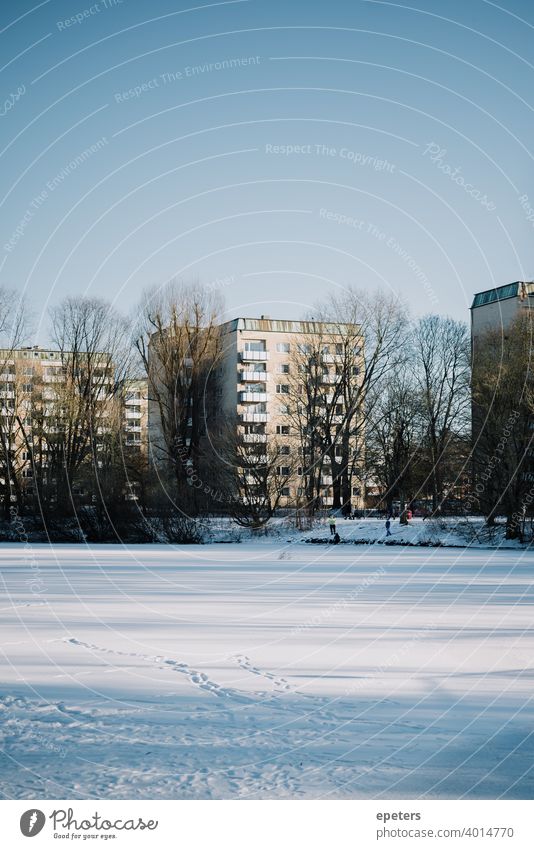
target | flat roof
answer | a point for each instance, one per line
(502, 293)
(278, 325)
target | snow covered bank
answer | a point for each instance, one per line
(278, 670)
(449, 532)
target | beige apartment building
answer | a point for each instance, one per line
(263, 368)
(21, 370)
(31, 381)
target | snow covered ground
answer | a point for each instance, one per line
(266, 670)
(457, 532)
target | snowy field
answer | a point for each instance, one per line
(266, 670)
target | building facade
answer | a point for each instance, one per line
(34, 393)
(266, 366)
(498, 308)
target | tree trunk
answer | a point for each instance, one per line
(513, 528)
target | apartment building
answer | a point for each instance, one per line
(21, 371)
(496, 310)
(32, 382)
(264, 364)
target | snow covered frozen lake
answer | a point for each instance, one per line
(266, 670)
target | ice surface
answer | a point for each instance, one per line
(266, 670)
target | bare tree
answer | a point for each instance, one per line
(178, 341)
(503, 417)
(13, 330)
(310, 382)
(257, 478)
(95, 352)
(442, 369)
(394, 439)
(372, 328)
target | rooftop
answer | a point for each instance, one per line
(501, 293)
(266, 324)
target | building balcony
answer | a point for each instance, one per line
(254, 438)
(254, 417)
(332, 358)
(254, 356)
(254, 376)
(255, 397)
(256, 460)
(326, 480)
(330, 378)
(129, 414)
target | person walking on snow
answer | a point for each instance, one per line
(388, 526)
(332, 523)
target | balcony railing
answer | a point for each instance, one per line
(256, 397)
(254, 417)
(254, 376)
(256, 460)
(254, 437)
(332, 358)
(254, 356)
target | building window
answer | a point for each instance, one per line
(282, 388)
(282, 430)
(283, 409)
(285, 449)
(304, 349)
(283, 347)
(283, 369)
(286, 492)
(255, 345)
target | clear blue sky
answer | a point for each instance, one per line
(272, 149)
